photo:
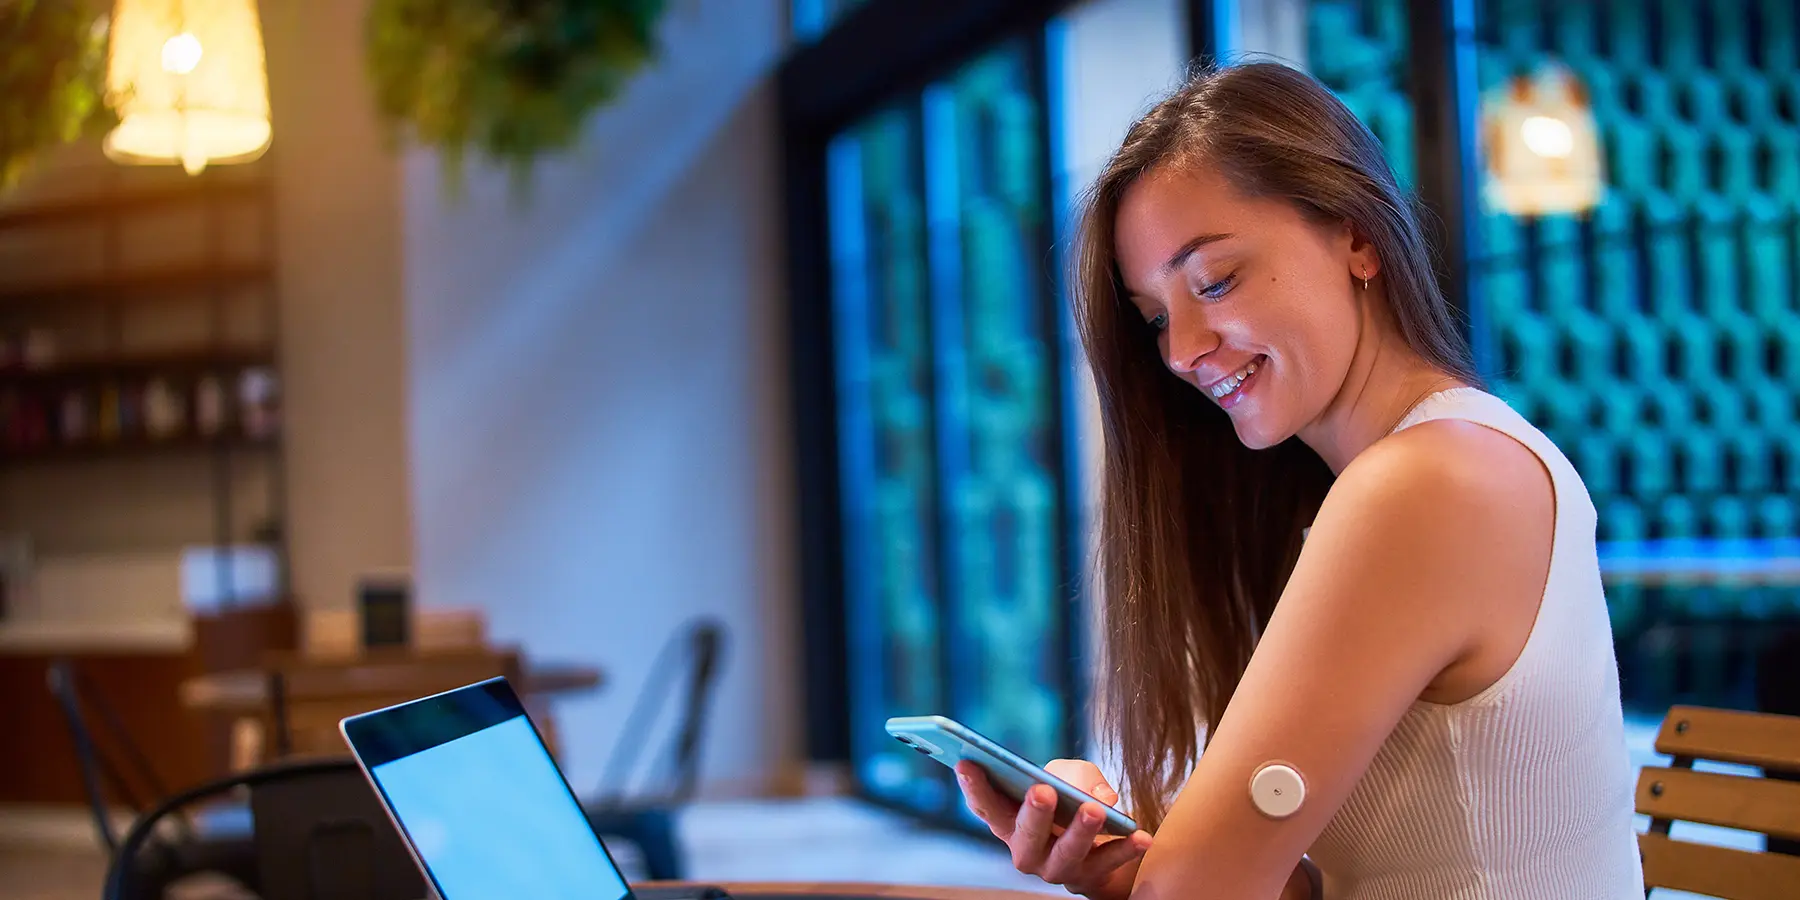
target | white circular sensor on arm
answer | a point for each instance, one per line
(1277, 790)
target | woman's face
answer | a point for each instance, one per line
(1255, 306)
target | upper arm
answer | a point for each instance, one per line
(1419, 542)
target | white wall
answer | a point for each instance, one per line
(343, 350)
(599, 405)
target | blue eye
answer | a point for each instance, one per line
(1217, 289)
(1159, 322)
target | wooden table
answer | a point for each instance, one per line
(246, 691)
(290, 706)
(852, 891)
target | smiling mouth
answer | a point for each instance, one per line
(1229, 387)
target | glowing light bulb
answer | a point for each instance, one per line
(1548, 137)
(181, 54)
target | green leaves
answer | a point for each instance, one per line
(510, 80)
(52, 79)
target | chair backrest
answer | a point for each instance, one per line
(100, 771)
(701, 645)
(308, 697)
(1763, 805)
(708, 647)
(320, 835)
(325, 836)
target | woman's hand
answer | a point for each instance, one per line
(1078, 858)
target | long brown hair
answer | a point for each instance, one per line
(1198, 534)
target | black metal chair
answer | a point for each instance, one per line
(182, 849)
(321, 835)
(644, 816)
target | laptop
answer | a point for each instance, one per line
(482, 806)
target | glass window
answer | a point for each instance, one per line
(886, 444)
(998, 403)
(950, 423)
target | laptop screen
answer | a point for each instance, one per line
(480, 799)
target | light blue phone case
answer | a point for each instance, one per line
(950, 742)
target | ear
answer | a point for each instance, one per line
(1364, 262)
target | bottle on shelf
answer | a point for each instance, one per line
(257, 394)
(108, 421)
(163, 410)
(74, 420)
(131, 411)
(209, 406)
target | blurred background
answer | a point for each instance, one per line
(705, 366)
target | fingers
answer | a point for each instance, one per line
(1107, 858)
(1074, 847)
(1086, 776)
(1078, 856)
(1030, 841)
(999, 812)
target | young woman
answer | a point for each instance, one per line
(1322, 546)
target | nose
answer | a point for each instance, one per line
(1187, 341)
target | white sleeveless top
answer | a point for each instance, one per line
(1524, 791)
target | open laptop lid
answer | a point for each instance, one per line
(481, 803)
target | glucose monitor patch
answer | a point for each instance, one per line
(1277, 790)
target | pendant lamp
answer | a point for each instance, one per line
(1542, 146)
(188, 82)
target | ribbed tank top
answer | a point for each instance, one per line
(1524, 791)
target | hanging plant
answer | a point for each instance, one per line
(511, 80)
(52, 79)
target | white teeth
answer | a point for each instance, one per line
(1232, 382)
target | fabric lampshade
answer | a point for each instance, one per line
(188, 81)
(1543, 149)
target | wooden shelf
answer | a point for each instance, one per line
(135, 286)
(185, 362)
(136, 448)
(102, 206)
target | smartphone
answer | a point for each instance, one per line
(950, 742)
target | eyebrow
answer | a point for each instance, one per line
(1181, 256)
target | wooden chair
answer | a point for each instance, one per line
(1732, 801)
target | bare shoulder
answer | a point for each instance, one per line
(1445, 472)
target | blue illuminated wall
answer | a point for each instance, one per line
(950, 408)
(1358, 49)
(1656, 339)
